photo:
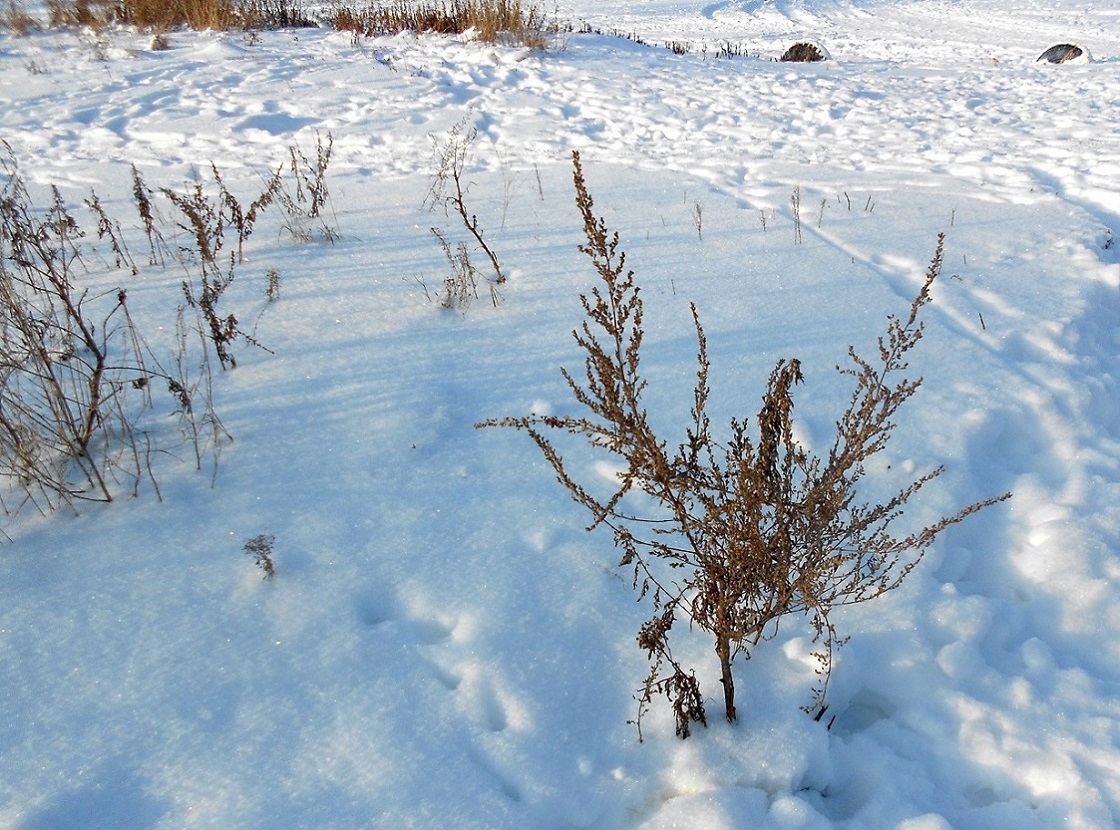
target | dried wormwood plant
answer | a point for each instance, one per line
(449, 189)
(747, 529)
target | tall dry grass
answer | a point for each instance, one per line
(493, 21)
(161, 15)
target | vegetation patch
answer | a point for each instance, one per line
(733, 531)
(189, 14)
(803, 52)
(493, 21)
(85, 395)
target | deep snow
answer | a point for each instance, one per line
(443, 645)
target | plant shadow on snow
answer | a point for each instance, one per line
(1049, 442)
(117, 798)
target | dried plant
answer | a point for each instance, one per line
(205, 223)
(149, 217)
(16, 20)
(803, 52)
(460, 286)
(493, 21)
(449, 190)
(161, 16)
(272, 290)
(744, 529)
(76, 373)
(244, 220)
(75, 370)
(795, 203)
(92, 13)
(307, 199)
(206, 219)
(260, 548)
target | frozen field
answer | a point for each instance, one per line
(443, 646)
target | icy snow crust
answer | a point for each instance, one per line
(443, 646)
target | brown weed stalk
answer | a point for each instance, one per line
(748, 528)
(449, 190)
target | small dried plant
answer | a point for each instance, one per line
(206, 219)
(795, 203)
(272, 290)
(307, 200)
(260, 548)
(803, 52)
(449, 190)
(746, 529)
(145, 207)
(460, 286)
(205, 222)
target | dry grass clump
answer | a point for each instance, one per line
(76, 374)
(260, 548)
(82, 414)
(731, 532)
(492, 21)
(15, 19)
(449, 191)
(161, 15)
(803, 53)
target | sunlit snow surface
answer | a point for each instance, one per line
(443, 646)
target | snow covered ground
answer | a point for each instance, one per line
(443, 646)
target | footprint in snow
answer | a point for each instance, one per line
(473, 680)
(387, 611)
